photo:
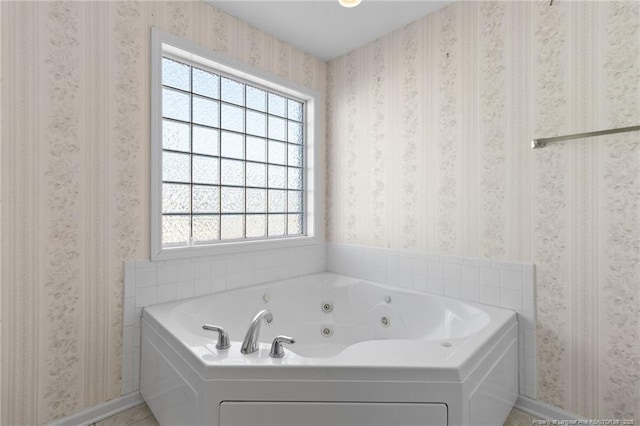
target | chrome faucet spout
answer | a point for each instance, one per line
(250, 343)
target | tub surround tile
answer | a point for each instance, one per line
(167, 293)
(127, 367)
(357, 269)
(271, 273)
(405, 263)
(146, 276)
(528, 286)
(259, 262)
(529, 313)
(405, 279)
(233, 265)
(529, 341)
(530, 389)
(128, 336)
(369, 270)
(511, 299)
(435, 285)
(420, 282)
(392, 276)
(530, 382)
(490, 295)
(470, 292)
(201, 270)
(145, 296)
(184, 290)
(271, 256)
(201, 286)
(452, 272)
(530, 366)
(511, 280)
(248, 278)
(508, 285)
(136, 338)
(435, 268)
(136, 366)
(378, 257)
(380, 275)
(490, 277)
(129, 309)
(420, 266)
(477, 281)
(136, 318)
(167, 274)
(393, 260)
(452, 289)
(471, 274)
(184, 272)
(247, 262)
(354, 257)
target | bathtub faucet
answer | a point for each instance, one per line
(250, 343)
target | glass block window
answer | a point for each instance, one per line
(232, 158)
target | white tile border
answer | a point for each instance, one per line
(504, 284)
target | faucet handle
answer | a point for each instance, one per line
(223, 337)
(276, 346)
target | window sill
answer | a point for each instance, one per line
(233, 248)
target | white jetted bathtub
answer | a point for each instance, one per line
(364, 354)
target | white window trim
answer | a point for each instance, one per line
(162, 42)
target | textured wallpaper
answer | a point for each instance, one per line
(428, 148)
(75, 183)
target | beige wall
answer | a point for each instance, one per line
(429, 131)
(428, 149)
(75, 183)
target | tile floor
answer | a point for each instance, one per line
(141, 416)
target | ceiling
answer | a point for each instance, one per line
(323, 28)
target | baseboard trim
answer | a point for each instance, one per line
(101, 411)
(544, 411)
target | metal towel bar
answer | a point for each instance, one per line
(541, 142)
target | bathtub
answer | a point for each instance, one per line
(365, 354)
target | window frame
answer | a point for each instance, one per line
(163, 43)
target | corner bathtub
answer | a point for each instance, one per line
(392, 357)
